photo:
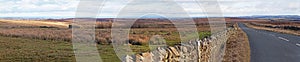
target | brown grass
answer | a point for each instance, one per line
(25, 35)
(273, 29)
(32, 29)
(32, 50)
(237, 47)
(38, 23)
(280, 23)
(29, 42)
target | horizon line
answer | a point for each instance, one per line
(66, 17)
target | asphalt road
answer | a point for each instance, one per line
(269, 46)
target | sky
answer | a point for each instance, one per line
(111, 8)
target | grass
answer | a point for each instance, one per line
(32, 50)
(20, 49)
(38, 23)
(175, 38)
(237, 47)
(141, 35)
(107, 53)
(293, 32)
(28, 42)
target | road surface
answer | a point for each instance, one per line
(269, 46)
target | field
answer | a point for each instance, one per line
(287, 27)
(140, 35)
(281, 23)
(50, 40)
(21, 49)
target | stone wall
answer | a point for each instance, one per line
(210, 49)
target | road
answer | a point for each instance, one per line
(269, 46)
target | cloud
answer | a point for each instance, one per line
(112, 7)
(37, 7)
(260, 7)
(227, 7)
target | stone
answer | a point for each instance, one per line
(174, 51)
(138, 58)
(184, 49)
(128, 58)
(162, 50)
(147, 57)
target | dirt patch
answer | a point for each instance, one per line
(237, 48)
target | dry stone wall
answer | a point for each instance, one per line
(210, 49)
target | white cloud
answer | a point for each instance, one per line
(257, 7)
(24, 8)
(112, 7)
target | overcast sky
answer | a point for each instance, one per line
(67, 8)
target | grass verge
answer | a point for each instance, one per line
(274, 29)
(237, 47)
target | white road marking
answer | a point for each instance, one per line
(283, 39)
(272, 34)
(298, 44)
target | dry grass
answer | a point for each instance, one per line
(19, 37)
(29, 29)
(280, 23)
(22, 41)
(237, 47)
(32, 50)
(35, 50)
(38, 23)
(273, 29)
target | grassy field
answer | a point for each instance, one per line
(42, 31)
(38, 23)
(280, 30)
(51, 40)
(22, 49)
